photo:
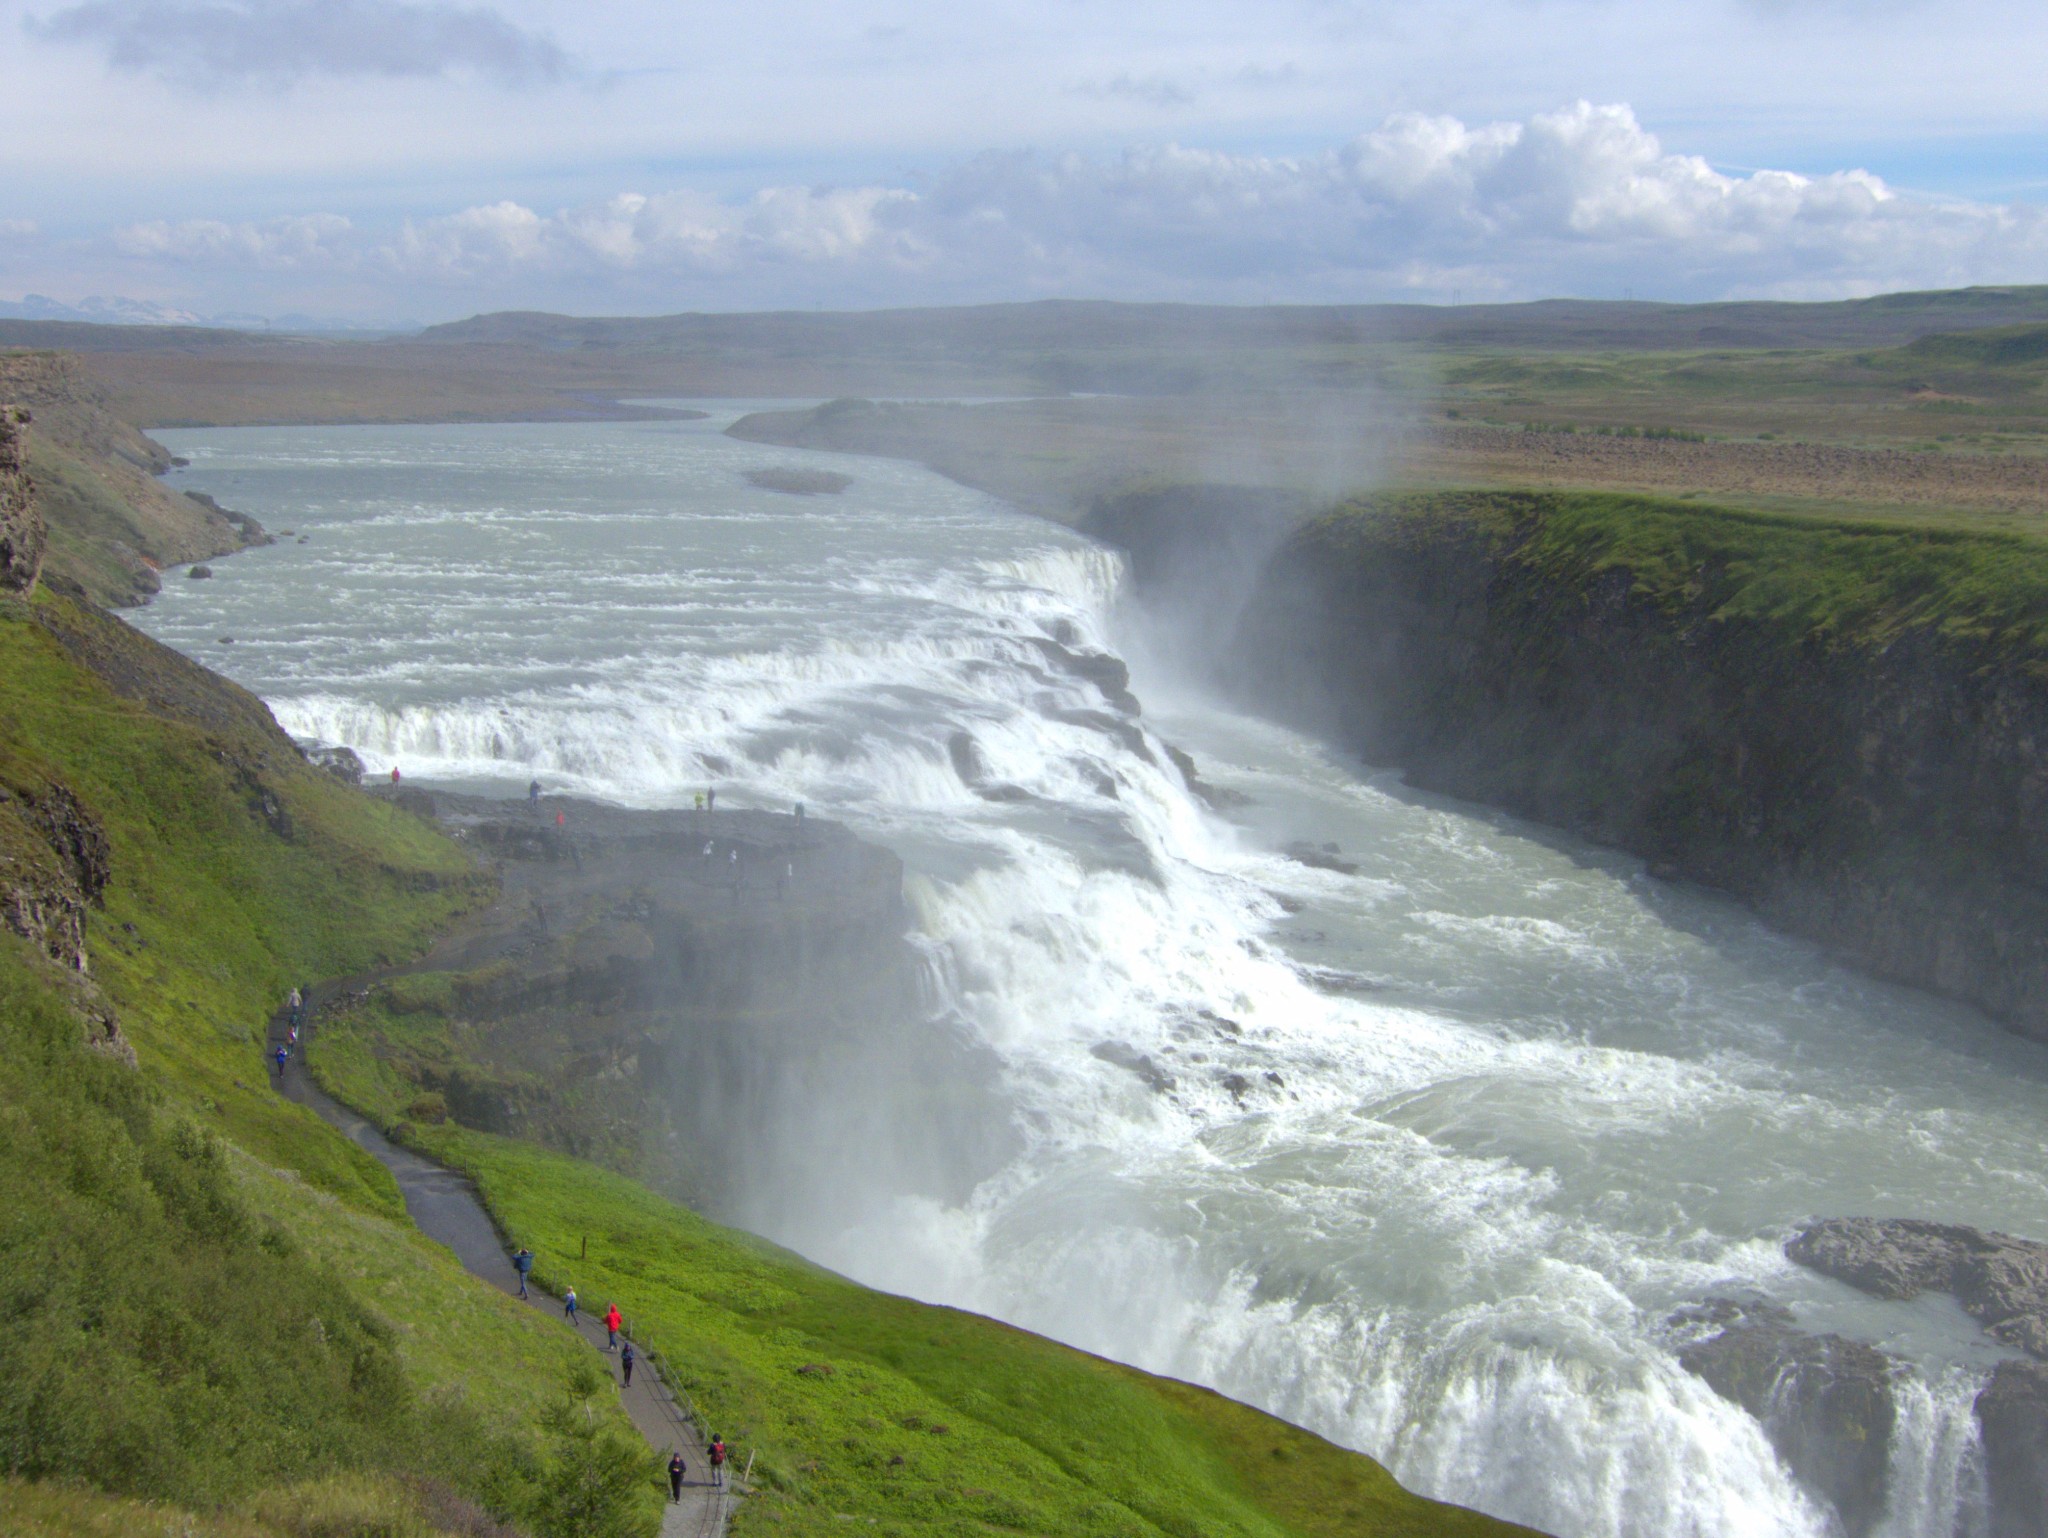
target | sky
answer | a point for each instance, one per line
(384, 161)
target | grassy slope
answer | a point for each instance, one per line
(226, 914)
(924, 1419)
(1842, 582)
(211, 1297)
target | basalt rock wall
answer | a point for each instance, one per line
(22, 535)
(1845, 726)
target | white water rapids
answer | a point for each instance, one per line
(1422, 1154)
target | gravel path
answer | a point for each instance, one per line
(445, 1207)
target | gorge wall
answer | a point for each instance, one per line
(1845, 726)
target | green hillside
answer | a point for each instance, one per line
(211, 1299)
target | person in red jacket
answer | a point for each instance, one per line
(612, 1320)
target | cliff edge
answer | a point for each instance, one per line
(111, 525)
(1845, 725)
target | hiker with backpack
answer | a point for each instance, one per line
(716, 1453)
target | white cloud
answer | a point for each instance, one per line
(1581, 200)
(215, 41)
(678, 232)
(296, 241)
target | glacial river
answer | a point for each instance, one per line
(1422, 1154)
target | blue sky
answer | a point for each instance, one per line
(377, 159)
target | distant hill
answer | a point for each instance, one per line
(976, 331)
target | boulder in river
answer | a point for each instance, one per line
(1825, 1402)
(2002, 1282)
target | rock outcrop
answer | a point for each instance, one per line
(112, 524)
(1825, 1402)
(708, 1000)
(22, 535)
(2013, 1415)
(54, 862)
(2002, 1282)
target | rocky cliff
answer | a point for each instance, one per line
(1844, 725)
(111, 524)
(22, 535)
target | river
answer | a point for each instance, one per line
(1420, 1146)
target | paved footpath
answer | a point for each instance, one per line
(445, 1207)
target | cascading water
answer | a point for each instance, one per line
(1411, 1124)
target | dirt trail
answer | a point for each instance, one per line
(445, 1207)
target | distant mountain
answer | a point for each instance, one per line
(103, 311)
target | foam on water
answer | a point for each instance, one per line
(1422, 1157)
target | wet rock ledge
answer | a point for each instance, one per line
(1827, 1403)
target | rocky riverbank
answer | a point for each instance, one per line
(1844, 725)
(111, 525)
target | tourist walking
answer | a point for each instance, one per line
(569, 1304)
(283, 1052)
(533, 792)
(522, 1263)
(626, 1363)
(675, 1477)
(612, 1321)
(716, 1453)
